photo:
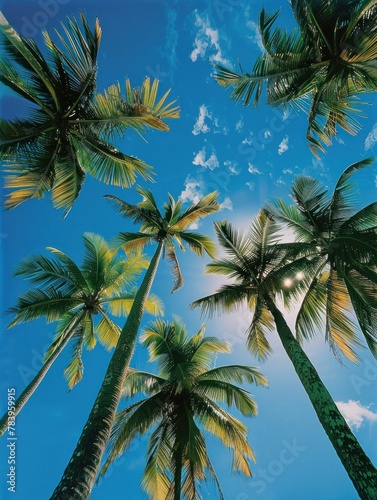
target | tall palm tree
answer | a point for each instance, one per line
(68, 128)
(166, 229)
(319, 67)
(179, 400)
(260, 268)
(74, 296)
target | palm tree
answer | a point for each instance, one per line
(165, 229)
(66, 134)
(179, 400)
(319, 67)
(260, 268)
(74, 296)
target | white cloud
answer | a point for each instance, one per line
(239, 125)
(250, 185)
(355, 413)
(247, 141)
(233, 167)
(283, 146)
(192, 192)
(200, 159)
(206, 38)
(267, 134)
(287, 171)
(253, 169)
(371, 138)
(226, 204)
(255, 35)
(200, 126)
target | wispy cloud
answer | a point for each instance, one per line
(253, 169)
(239, 125)
(255, 35)
(233, 167)
(355, 413)
(371, 138)
(206, 39)
(227, 204)
(200, 126)
(283, 146)
(250, 185)
(200, 159)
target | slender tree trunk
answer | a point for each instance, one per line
(178, 473)
(80, 474)
(33, 385)
(358, 466)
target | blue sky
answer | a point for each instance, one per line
(248, 155)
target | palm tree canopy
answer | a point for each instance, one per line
(256, 264)
(168, 226)
(319, 67)
(338, 241)
(74, 295)
(181, 397)
(68, 127)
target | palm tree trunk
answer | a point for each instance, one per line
(178, 473)
(32, 387)
(358, 466)
(80, 474)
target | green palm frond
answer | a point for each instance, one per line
(68, 179)
(362, 290)
(257, 341)
(49, 303)
(75, 370)
(198, 243)
(120, 305)
(344, 195)
(130, 422)
(230, 394)
(326, 62)
(340, 329)
(48, 273)
(137, 382)
(235, 373)
(228, 298)
(205, 206)
(67, 326)
(107, 331)
(107, 164)
(175, 268)
(311, 315)
(229, 430)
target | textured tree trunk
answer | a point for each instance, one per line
(80, 474)
(358, 466)
(31, 388)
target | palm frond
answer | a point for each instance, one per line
(175, 269)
